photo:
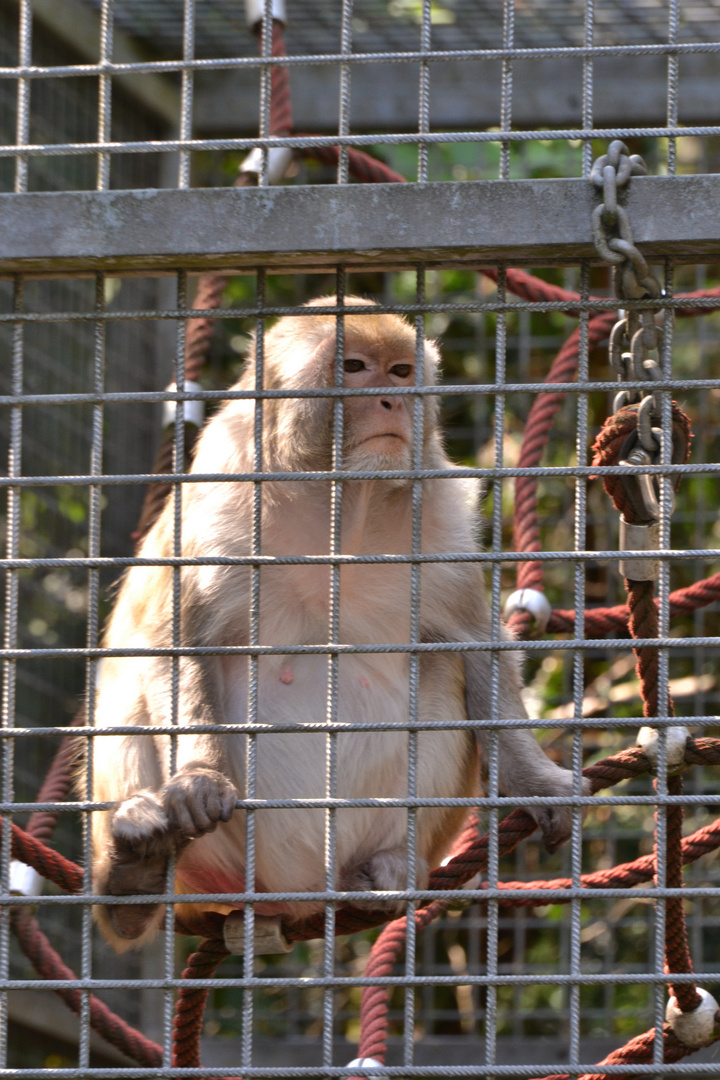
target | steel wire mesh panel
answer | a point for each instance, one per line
(173, 95)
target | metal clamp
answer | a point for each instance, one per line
(640, 538)
(534, 602)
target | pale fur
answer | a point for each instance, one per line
(180, 814)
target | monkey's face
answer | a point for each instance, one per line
(378, 428)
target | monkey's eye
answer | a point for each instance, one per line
(401, 370)
(352, 364)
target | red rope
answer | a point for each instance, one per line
(537, 431)
(190, 1007)
(48, 965)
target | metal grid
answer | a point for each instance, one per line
(497, 978)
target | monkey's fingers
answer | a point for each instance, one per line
(196, 801)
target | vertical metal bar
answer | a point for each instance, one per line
(424, 93)
(493, 747)
(12, 527)
(336, 497)
(663, 591)
(578, 682)
(186, 95)
(105, 93)
(104, 129)
(10, 641)
(266, 32)
(418, 429)
(22, 118)
(343, 174)
(254, 678)
(506, 86)
(587, 91)
(93, 666)
(176, 638)
(673, 83)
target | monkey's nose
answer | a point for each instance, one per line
(386, 403)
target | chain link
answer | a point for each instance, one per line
(638, 333)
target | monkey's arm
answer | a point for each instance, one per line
(523, 767)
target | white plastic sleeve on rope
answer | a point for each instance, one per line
(268, 937)
(677, 736)
(695, 1028)
(534, 602)
(364, 1063)
(255, 11)
(24, 881)
(280, 159)
(193, 411)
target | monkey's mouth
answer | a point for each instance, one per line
(383, 435)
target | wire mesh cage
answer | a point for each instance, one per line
(174, 180)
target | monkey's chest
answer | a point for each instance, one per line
(304, 689)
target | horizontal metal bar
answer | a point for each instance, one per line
(357, 225)
(482, 557)
(706, 468)
(602, 386)
(309, 141)
(401, 802)
(340, 727)
(410, 56)
(543, 897)
(465, 978)
(682, 1070)
(570, 307)
(685, 642)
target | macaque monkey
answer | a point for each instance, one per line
(191, 813)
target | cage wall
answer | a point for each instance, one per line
(168, 99)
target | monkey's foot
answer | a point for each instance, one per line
(131, 876)
(556, 821)
(196, 800)
(140, 827)
(384, 871)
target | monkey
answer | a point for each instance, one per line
(177, 796)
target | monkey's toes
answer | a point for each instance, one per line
(385, 871)
(195, 802)
(140, 826)
(556, 825)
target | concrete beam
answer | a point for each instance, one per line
(370, 225)
(627, 91)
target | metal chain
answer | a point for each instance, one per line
(638, 333)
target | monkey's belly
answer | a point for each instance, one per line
(289, 841)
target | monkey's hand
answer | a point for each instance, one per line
(196, 799)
